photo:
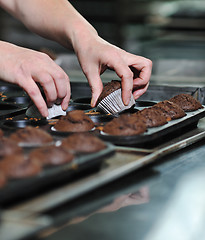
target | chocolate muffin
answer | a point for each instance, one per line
(153, 117)
(9, 147)
(75, 121)
(19, 166)
(125, 125)
(1, 133)
(186, 102)
(170, 109)
(31, 135)
(51, 155)
(109, 88)
(83, 143)
(3, 179)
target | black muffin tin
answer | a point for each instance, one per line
(13, 124)
(154, 135)
(13, 100)
(19, 189)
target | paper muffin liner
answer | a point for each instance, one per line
(54, 111)
(113, 104)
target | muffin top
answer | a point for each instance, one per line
(19, 166)
(83, 143)
(186, 102)
(152, 117)
(170, 109)
(75, 121)
(31, 135)
(108, 89)
(125, 125)
(8, 147)
(51, 155)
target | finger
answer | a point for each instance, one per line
(35, 94)
(144, 69)
(66, 99)
(60, 80)
(126, 75)
(47, 82)
(96, 85)
(139, 92)
(62, 84)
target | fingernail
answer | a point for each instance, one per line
(92, 103)
(45, 114)
(64, 106)
(127, 101)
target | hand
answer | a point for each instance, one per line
(28, 68)
(96, 55)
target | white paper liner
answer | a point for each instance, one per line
(113, 104)
(54, 111)
(55, 130)
(34, 145)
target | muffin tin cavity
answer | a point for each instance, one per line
(82, 100)
(9, 88)
(144, 103)
(15, 124)
(6, 107)
(18, 100)
(78, 107)
(101, 119)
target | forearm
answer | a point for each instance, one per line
(53, 19)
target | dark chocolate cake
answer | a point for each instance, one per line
(152, 117)
(19, 166)
(31, 135)
(170, 109)
(75, 121)
(109, 88)
(125, 125)
(83, 143)
(186, 102)
(8, 147)
(51, 155)
(3, 179)
(1, 133)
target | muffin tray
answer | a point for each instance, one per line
(19, 189)
(157, 134)
(13, 100)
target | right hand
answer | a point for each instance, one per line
(28, 68)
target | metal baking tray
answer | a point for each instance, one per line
(52, 176)
(13, 100)
(152, 135)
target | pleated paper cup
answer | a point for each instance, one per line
(54, 111)
(113, 104)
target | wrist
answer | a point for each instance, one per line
(80, 34)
